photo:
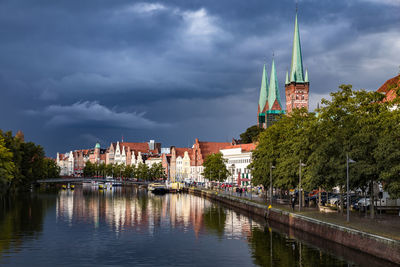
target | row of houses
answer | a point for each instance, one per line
(179, 163)
(126, 153)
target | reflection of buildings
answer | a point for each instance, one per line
(129, 208)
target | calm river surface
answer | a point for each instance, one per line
(128, 226)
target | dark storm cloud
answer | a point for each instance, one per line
(74, 72)
(93, 114)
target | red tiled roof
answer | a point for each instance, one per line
(389, 88)
(142, 147)
(245, 147)
(208, 148)
(180, 151)
(137, 147)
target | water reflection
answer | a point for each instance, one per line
(85, 225)
(21, 219)
(130, 208)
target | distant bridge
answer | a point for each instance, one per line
(83, 179)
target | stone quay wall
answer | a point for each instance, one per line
(378, 246)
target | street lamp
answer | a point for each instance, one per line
(348, 160)
(270, 181)
(300, 165)
(232, 170)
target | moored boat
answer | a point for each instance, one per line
(157, 188)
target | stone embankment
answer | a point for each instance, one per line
(378, 246)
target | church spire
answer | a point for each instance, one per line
(306, 77)
(273, 90)
(287, 78)
(263, 91)
(296, 72)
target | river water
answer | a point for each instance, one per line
(128, 226)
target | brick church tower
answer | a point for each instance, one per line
(297, 85)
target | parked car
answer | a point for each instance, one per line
(362, 203)
(333, 199)
(314, 198)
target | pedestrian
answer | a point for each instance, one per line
(293, 201)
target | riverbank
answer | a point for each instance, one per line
(371, 243)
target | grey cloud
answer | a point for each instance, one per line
(195, 65)
(95, 115)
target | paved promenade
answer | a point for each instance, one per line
(385, 225)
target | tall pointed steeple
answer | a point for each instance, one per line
(297, 90)
(287, 78)
(296, 71)
(306, 77)
(263, 91)
(274, 99)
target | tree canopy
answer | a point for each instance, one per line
(142, 171)
(215, 168)
(354, 123)
(22, 163)
(251, 134)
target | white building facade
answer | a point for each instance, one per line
(238, 158)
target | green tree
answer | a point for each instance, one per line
(157, 172)
(215, 168)
(51, 169)
(89, 169)
(129, 171)
(31, 167)
(387, 153)
(109, 170)
(251, 134)
(119, 170)
(102, 169)
(348, 125)
(283, 145)
(7, 167)
(143, 172)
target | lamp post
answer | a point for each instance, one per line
(232, 172)
(348, 189)
(270, 182)
(300, 165)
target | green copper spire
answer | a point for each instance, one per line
(97, 145)
(306, 77)
(287, 78)
(296, 72)
(263, 90)
(273, 91)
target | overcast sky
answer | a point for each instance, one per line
(74, 72)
